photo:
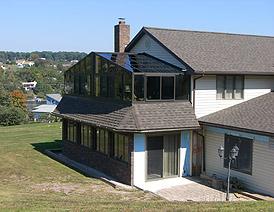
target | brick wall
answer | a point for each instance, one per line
(117, 169)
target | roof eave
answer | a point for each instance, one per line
(211, 124)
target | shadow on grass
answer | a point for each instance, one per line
(41, 147)
(55, 147)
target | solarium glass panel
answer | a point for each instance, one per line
(167, 87)
(139, 87)
(153, 88)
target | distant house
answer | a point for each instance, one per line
(52, 100)
(29, 85)
(160, 106)
(24, 63)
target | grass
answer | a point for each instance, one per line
(31, 181)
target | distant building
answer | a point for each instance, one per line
(24, 63)
(52, 100)
(29, 85)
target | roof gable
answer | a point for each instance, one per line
(216, 53)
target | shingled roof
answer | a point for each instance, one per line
(216, 53)
(255, 115)
(139, 117)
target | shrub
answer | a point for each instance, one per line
(11, 116)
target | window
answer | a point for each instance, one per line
(127, 87)
(153, 88)
(82, 78)
(72, 131)
(162, 87)
(182, 91)
(243, 163)
(120, 147)
(167, 88)
(87, 136)
(139, 87)
(230, 87)
(76, 79)
(102, 141)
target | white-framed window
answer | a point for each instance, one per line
(230, 86)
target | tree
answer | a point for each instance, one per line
(18, 99)
(11, 116)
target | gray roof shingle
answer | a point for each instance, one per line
(253, 115)
(139, 117)
(217, 53)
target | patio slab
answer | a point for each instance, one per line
(188, 189)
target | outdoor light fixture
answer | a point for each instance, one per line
(234, 152)
(221, 151)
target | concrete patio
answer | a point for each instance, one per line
(188, 189)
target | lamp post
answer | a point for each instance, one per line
(232, 156)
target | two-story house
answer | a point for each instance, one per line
(133, 113)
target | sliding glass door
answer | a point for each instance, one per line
(171, 146)
(162, 156)
(154, 157)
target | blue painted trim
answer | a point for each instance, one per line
(256, 137)
(139, 142)
(185, 144)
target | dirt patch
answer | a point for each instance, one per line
(66, 188)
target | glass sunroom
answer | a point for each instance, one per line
(128, 115)
(127, 77)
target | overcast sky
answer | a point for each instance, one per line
(86, 25)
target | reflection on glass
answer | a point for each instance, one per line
(139, 87)
(153, 88)
(167, 88)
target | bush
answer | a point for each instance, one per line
(11, 116)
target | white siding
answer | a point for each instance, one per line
(155, 50)
(205, 94)
(262, 178)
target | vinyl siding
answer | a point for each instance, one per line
(262, 178)
(205, 94)
(155, 50)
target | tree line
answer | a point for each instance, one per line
(6, 56)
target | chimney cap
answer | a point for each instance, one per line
(122, 20)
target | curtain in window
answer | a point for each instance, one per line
(239, 87)
(171, 145)
(220, 82)
(229, 87)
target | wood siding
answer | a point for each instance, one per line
(205, 94)
(262, 178)
(150, 46)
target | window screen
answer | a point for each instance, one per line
(243, 162)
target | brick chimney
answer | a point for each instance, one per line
(121, 35)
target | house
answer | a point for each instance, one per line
(249, 125)
(133, 114)
(53, 99)
(45, 110)
(29, 85)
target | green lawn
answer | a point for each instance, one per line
(31, 181)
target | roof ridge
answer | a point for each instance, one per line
(210, 32)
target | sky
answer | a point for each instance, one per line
(87, 25)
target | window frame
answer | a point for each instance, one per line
(161, 75)
(225, 163)
(233, 87)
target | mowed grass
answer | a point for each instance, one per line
(31, 181)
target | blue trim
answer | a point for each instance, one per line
(185, 144)
(139, 142)
(256, 137)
